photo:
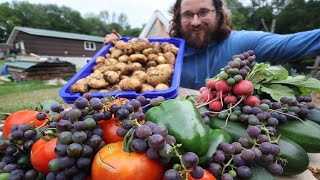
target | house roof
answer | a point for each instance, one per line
(21, 64)
(165, 18)
(50, 33)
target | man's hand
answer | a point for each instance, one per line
(113, 37)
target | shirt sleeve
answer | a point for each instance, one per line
(275, 47)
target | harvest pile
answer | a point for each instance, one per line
(137, 65)
(236, 129)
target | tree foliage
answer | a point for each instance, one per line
(60, 18)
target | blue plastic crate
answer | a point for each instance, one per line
(170, 93)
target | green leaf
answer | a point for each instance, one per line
(277, 91)
(310, 84)
(275, 73)
(256, 75)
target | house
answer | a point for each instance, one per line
(53, 43)
(157, 26)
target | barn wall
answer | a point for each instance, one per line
(49, 46)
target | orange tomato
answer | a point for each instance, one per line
(110, 128)
(42, 152)
(118, 101)
(111, 162)
(20, 117)
(207, 176)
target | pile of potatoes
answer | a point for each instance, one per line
(137, 65)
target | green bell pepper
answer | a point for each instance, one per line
(184, 122)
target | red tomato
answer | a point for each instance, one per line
(20, 117)
(110, 128)
(111, 162)
(42, 152)
(207, 176)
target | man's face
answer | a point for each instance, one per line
(198, 21)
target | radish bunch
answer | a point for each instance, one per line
(230, 88)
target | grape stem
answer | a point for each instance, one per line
(127, 140)
(276, 140)
(226, 165)
(288, 115)
(184, 168)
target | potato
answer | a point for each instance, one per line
(148, 51)
(111, 77)
(123, 77)
(112, 49)
(108, 55)
(97, 66)
(152, 57)
(138, 58)
(166, 47)
(111, 61)
(170, 58)
(80, 86)
(146, 87)
(142, 76)
(131, 83)
(156, 47)
(161, 86)
(97, 83)
(100, 59)
(130, 68)
(116, 54)
(160, 74)
(138, 45)
(151, 64)
(124, 58)
(120, 66)
(161, 60)
(121, 45)
(96, 74)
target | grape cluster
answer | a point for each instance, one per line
(238, 68)
(15, 152)
(260, 145)
(79, 138)
(159, 145)
(80, 135)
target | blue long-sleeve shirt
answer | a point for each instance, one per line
(200, 64)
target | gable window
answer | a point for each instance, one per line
(90, 46)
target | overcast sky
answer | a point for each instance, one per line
(138, 11)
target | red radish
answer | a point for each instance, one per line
(243, 88)
(223, 86)
(202, 89)
(206, 95)
(252, 101)
(215, 106)
(230, 99)
(211, 84)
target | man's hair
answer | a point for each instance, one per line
(224, 26)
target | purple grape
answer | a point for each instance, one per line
(172, 174)
(190, 159)
(244, 172)
(197, 172)
(247, 155)
(275, 169)
(215, 168)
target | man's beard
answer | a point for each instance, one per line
(199, 40)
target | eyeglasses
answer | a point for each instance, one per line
(202, 13)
